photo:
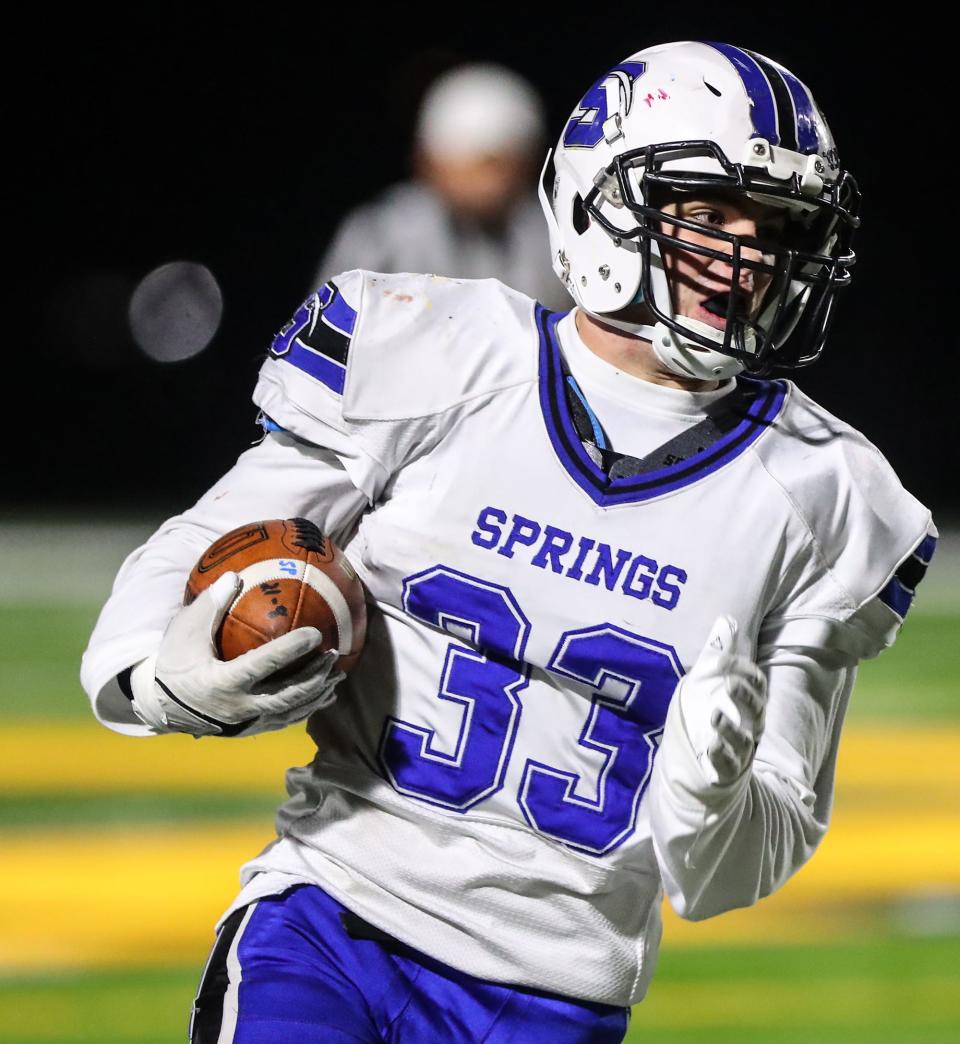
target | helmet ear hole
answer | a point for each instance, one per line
(580, 217)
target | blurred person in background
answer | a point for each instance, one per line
(470, 211)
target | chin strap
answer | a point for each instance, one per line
(680, 356)
(691, 359)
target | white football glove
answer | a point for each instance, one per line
(186, 687)
(723, 700)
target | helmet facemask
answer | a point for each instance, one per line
(805, 266)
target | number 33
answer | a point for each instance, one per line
(633, 679)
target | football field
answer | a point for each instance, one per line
(118, 855)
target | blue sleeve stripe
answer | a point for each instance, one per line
(322, 367)
(335, 311)
(899, 592)
(897, 597)
(317, 338)
(925, 551)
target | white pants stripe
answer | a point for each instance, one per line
(230, 1001)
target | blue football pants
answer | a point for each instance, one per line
(299, 968)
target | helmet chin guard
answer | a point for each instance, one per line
(701, 118)
(688, 359)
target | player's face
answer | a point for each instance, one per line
(701, 285)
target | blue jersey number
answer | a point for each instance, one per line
(632, 679)
(481, 688)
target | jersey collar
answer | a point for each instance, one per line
(756, 405)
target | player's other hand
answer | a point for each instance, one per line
(723, 700)
(186, 687)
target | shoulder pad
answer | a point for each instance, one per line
(373, 366)
(426, 343)
(861, 519)
(401, 346)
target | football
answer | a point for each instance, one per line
(293, 576)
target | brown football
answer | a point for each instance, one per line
(293, 576)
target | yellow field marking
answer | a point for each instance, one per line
(152, 894)
(148, 895)
(53, 758)
(47, 758)
(902, 755)
(75, 897)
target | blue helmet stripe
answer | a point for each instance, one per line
(782, 100)
(763, 110)
(807, 137)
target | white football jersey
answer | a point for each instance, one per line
(494, 785)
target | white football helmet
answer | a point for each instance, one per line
(689, 117)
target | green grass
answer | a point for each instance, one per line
(919, 678)
(135, 1007)
(45, 811)
(40, 668)
(896, 989)
(892, 989)
(39, 673)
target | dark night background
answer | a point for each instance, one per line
(238, 141)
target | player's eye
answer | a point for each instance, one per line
(707, 216)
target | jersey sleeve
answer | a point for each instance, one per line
(856, 548)
(376, 367)
(861, 543)
(721, 848)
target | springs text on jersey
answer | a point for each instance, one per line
(579, 558)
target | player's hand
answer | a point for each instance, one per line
(187, 688)
(723, 700)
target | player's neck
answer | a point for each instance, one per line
(632, 355)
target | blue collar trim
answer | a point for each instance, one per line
(763, 405)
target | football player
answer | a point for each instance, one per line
(618, 583)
